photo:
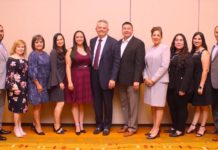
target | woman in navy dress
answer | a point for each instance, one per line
(78, 61)
(57, 79)
(39, 70)
(16, 84)
(202, 85)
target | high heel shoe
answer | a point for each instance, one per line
(201, 134)
(191, 130)
(17, 132)
(38, 133)
(21, 131)
(60, 130)
(83, 131)
(150, 137)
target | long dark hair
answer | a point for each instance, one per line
(204, 45)
(183, 53)
(63, 48)
(74, 48)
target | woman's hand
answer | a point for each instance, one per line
(70, 86)
(62, 86)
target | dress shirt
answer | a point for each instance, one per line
(124, 44)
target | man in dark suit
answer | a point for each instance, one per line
(3, 61)
(105, 67)
(130, 76)
(214, 81)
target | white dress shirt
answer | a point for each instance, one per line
(124, 44)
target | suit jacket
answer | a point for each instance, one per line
(132, 62)
(158, 71)
(214, 70)
(3, 61)
(109, 61)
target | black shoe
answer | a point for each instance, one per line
(2, 138)
(169, 130)
(83, 131)
(77, 133)
(97, 131)
(2, 131)
(106, 132)
(38, 133)
(153, 137)
(175, 134)
(60, 130)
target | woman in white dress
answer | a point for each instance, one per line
(156, 79)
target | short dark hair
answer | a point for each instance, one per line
(157, 28)
(35, 38)
(127, 23)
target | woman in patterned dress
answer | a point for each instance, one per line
(16, 84)
(78, 61)
(38, 76)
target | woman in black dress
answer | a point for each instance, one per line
(202, 87)
(57, 78)
(16, 84)
(180, 84)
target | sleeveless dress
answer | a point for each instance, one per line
(80, 73)
(205, 99)
(17, 75)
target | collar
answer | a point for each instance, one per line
(127, 40)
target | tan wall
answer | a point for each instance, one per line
(25, 18)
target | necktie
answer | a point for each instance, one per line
(97, 53)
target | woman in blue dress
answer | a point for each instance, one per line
(38, 71)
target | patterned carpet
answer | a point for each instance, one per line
(115, 141)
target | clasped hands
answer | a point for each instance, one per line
(149, 82)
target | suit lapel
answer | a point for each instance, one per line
(4, 54)
(105, 47)
(213, 58)
(128, 47)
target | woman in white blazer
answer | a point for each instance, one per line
(156, 79)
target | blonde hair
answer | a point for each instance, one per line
(17, 43)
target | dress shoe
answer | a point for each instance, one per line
(176, 134)
(97, 131)
(122, 130)
(2, 131)
(77, 132)
(198, 134)
(191, 129)
(146, 134)
(171, 130)
(83, 131)
(2, 138)
(106, 132)
(17, 132)
(129, 133)
(38, 133)
(60, 130)
(150, 137)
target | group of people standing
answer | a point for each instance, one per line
(83, 74)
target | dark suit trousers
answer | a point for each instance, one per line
(215, 107)
(102, 102)
(178, 109)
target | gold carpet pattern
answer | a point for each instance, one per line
(115, 141)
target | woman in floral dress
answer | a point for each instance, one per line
(16, 84)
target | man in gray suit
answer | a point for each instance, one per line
(132, 52)
(214, 81)
(3, 60)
